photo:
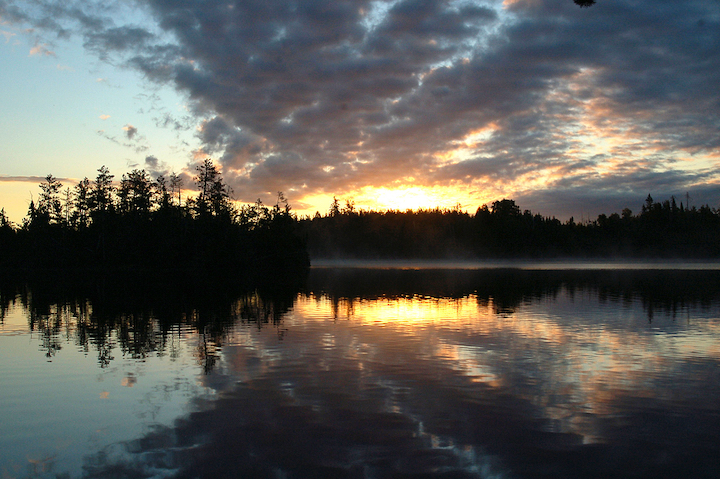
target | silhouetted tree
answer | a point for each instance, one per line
(135, 193)
(214, 197)
(5, 223)
(163, 195)
(101, 199)
(175, 185)
(349, 207)
(334, 207)
(648, 205)
(7, 237)
(29, 216)
(80, 216)
(68, 206)
(49, 207)
(505, 209)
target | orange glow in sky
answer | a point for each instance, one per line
(401, 198)
(489, 108)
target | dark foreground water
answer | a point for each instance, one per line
(366, 373)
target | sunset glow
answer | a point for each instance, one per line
(394, 105)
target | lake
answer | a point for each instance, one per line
(544, 371)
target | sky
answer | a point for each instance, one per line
(391, 104)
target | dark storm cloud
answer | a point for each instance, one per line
(323, 96)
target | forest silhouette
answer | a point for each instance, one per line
(145, 225)
(502, 230)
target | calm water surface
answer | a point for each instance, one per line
(367, 373)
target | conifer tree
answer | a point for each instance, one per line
(49, 207)
(102, 192)
(80, 216)
(214, 197)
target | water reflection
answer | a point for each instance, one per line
(142, 317)
(668, 290)
(403, 373)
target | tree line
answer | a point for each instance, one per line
(502, 230)
(145, 224)
(139, 223)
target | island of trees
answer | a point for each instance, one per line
(141, 224)
(145, 225)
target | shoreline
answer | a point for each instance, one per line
(565, 264)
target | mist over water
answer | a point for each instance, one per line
(369, 372)
(530, 264)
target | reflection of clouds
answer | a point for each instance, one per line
(471, 386)
(129, 381)
(572, 358)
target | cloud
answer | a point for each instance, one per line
(132, 139)
(151, 161)
(108, 40)
(237, 147)
(7, 35)
(166, 120)
(104, 117)
(42, 50)
(105, 135)
(29, 179)
(514, 97)
(155, 167)
(130, 131)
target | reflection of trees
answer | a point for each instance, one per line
(139, 317)
(207, 351)
(505, 290)
(7, 299)
(50, 326)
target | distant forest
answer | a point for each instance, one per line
(503, 230)
(141, 224)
